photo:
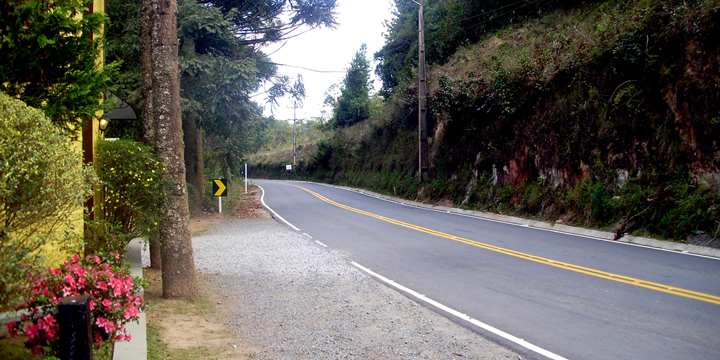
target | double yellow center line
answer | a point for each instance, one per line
(558, 264)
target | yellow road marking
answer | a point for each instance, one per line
(558, 264)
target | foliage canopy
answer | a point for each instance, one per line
(48, 59)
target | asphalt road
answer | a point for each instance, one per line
(538, 292)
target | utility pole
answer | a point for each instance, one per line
(422, 99)
(294, 137)
(295, 106)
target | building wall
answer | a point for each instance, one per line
(87, 142)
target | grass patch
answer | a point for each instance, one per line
(189, 329)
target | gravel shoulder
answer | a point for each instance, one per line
(287, 297)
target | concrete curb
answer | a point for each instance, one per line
(136, 348)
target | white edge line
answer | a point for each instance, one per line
(262, 200)
(459, 315)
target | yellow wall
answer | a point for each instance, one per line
(54, 255)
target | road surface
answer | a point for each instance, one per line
(544, 294)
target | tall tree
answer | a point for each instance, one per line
(48, 59)
(353, 105)
(222, 64)
(217, 73)
(178, 264)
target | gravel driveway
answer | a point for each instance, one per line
(292, 298)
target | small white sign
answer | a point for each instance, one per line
(288, 167)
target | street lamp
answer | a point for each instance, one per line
(103, 123)
(422, 99)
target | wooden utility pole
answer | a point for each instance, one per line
(422, 99)
(295, 107)
(294, 137)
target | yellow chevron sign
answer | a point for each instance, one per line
(219, 187)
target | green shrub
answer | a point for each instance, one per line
(133, 182)
(42, 184)
(107, 239)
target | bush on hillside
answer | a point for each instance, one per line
(42, 188)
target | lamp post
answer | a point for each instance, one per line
(422, 98)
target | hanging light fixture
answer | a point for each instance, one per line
(104, 120)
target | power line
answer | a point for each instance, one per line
(304, 68)
(494, 18)
(490, 12)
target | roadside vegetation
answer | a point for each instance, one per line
(597, 113)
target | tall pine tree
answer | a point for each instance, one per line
(353, 105)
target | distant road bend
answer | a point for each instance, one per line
(544, 294)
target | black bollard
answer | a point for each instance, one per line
(74, 328)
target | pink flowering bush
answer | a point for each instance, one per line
(113, 302)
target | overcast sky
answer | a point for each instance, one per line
(360, 21)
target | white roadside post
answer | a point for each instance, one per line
(246, 178)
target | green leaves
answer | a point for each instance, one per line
(353, 105)
(133, 181)
(42, 187)
(53, 62)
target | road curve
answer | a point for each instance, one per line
(566, 296)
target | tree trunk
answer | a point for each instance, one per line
(193, 152)
(200, 161)
(178, 275)
(156, 253)
(148, 117)
(193, 135)
(146, 36)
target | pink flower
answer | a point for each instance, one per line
(112, 300)
(119, 286)
(101, 322)
(107, 303)
(131, 312)
(11, 328)
(31, 331)
(70, 280)
(109, 327)
(101, 285)
(48, 324)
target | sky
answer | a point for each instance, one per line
(359, 21)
